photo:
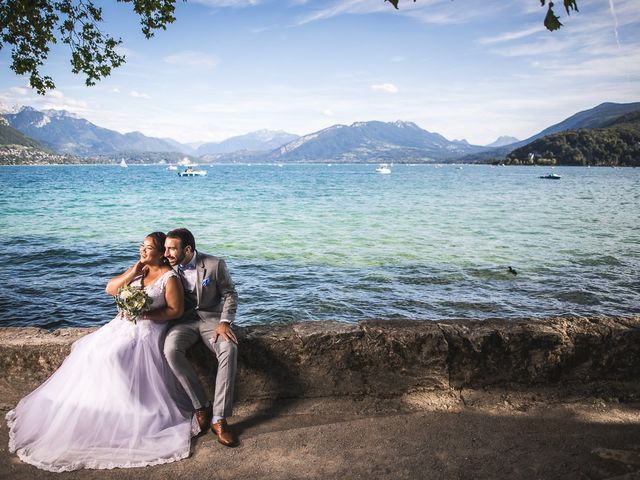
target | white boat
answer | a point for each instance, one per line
(191, 172)
(172, 167)
(551, 176)
(384, 169)
(123, 164)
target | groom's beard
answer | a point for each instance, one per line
(177, 260)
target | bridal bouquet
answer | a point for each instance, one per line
(132, 302)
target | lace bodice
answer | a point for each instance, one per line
(156, 289)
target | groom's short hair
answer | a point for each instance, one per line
(185, 237)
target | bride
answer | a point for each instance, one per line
(113, 402)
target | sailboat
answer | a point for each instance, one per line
(123, 164)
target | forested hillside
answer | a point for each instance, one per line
(615, 145)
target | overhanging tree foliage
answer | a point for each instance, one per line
(30, 27)
(551, 20)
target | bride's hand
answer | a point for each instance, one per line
(139, 268)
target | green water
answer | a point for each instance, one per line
(311, 242)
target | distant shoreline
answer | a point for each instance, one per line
(115, 164)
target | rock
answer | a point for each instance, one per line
(379, 358)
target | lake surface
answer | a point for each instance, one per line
(340, 242)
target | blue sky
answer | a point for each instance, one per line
(473, 70)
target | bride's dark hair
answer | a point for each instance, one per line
(158, 242)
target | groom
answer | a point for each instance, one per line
(210, 308)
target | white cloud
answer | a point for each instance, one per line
(127, 52)
(385, 87)
(56, 99)
(53, 100)
(192, 59)
(55, 94)
(439, 12)
(228, 3)
(589, 34)
(136, 94)
(21, 91)
(508, 36)
(345, 7)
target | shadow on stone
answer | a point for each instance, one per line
(268, 373)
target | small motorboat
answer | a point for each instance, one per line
(551, 176)
(172, 167)
(384, 169)
(191, 172)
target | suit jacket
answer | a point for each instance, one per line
(216, 296)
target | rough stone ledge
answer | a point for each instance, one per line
(380, 358)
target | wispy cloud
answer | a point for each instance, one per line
(588, 34)
(345, 7)
(228, 3)
(192, 59)
(509, 36)
(21, 91)
(439, 12)
(53, 100)
(612, 8)
(447, 13)
(56, 99)
(136, 94)
(385, 87)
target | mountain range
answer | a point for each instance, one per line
(372, 141)
(262, 140)
(65, 133)
(597, 117)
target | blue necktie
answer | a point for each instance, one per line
(188, 266)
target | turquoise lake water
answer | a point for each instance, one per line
(339, 242)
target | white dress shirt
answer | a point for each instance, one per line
(189, 274)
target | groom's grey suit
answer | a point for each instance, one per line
(213, 300)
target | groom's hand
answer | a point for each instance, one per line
(224, 330)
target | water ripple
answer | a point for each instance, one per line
(311, 243)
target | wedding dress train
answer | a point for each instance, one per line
(113, 402)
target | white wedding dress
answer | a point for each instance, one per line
(113, 402)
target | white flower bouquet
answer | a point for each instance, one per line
(132, 302)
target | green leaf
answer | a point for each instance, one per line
(570, 5)
(551, 21)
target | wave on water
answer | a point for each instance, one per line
(308, 243)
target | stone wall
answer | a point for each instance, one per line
(379, 358)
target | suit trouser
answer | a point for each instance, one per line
(181, 336)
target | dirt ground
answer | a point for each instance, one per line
(423, 435)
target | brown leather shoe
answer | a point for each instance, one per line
(204, 416)
(221, 429)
